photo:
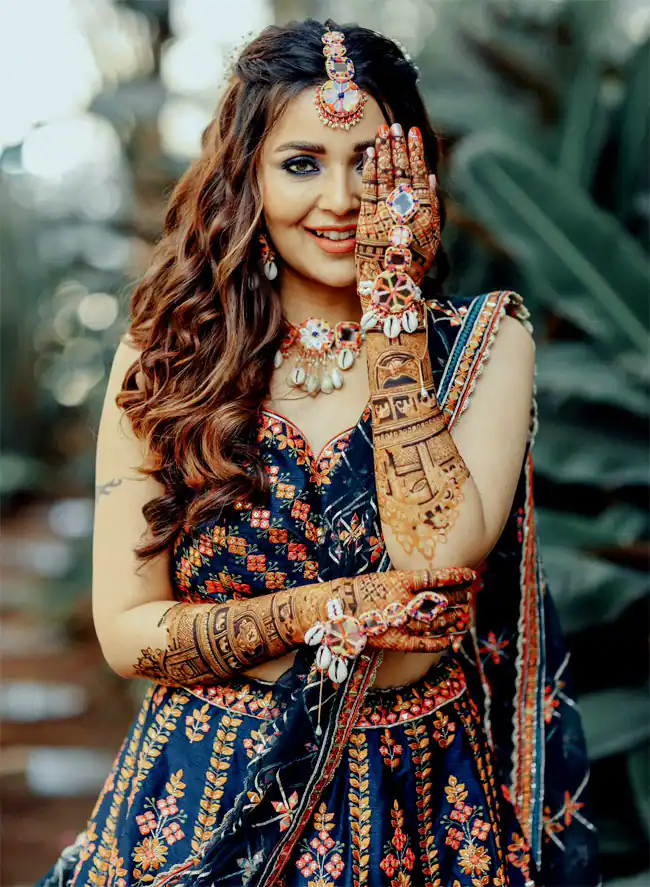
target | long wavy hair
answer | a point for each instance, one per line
(206, 322)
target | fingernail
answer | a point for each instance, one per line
(414, 133)
(370, 152)
(383, 131)
(397, 130)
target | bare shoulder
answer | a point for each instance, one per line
(126, 354)
(514, 344)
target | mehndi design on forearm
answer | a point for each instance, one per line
(418, 468)
(419, 471)
(207, 643)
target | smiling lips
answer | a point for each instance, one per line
(334, 240)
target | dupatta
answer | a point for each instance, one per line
(514, 659)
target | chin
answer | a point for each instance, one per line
(340, 275)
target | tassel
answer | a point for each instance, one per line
(319, 729)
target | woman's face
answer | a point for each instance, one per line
(310, 179)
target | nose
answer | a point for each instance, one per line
(341, 193)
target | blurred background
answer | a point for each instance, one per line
(544, 106)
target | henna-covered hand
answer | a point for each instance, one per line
(391, 163)
(207, 643)
(418, 468)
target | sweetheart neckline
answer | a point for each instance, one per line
(316, 459)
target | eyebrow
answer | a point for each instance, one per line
(312, 148)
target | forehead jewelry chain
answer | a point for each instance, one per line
(321, 353)
(339, 101)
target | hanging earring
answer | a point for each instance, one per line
(268, 258)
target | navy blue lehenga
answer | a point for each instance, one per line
(472, 776)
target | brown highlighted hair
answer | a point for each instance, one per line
(206, 322)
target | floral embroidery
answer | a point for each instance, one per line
(248, 865)
(551, 703)
(321, 856)
(474, 860)
(398, 856)
(353, 533)
(494, 648)
(519, 854)
(156, 738)
(297, 551)
(310, 570)
(117, 870)
(360, 811)
(278, 535)
(256, 563)
(466, 832)
(237, 545)
(286, 808)
(300, 510)
(421, 755)
(400, 706)
(390, 750)
(255, 743)
(161, 824)
(216, 778)
(274, 579)
(260, 519)
(198, 723)
(445, 730)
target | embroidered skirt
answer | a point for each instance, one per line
(412, 803)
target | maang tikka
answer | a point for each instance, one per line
(339, 101)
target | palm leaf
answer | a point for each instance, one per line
(571, 250)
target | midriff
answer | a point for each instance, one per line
(396, 669)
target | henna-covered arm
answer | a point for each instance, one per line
(426, 493)
(191, 643)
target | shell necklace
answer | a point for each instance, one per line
(320, 352)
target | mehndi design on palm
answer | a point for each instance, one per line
(418, 469)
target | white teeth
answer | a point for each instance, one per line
(335, 235)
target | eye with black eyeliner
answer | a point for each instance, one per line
(309, 165)
(300, 166)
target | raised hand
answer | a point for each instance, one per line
(392, 164)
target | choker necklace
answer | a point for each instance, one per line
(321, 353)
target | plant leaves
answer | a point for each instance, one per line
(585, 122)
(458, 111)
(570, 249)
(634, 119)
(575, 371)
(640, 880)
(568, 452)
(618, 525)
(587, 590)
(615, 720)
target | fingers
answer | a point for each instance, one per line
(405, 643)
(369, 183)
(399, 155)
(385, 177)
(440, 577)
(419, 171)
